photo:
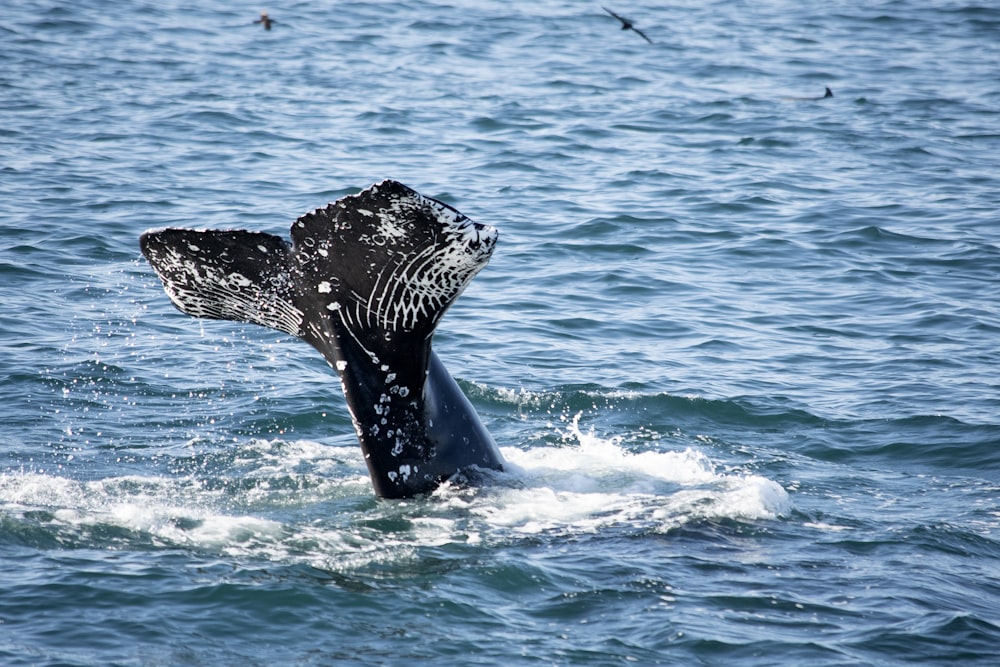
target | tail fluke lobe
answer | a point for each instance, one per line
(226, 275)
(391, 259)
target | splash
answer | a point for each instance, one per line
(126, 512)
(595, 484)
(305, 502)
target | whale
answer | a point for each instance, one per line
(365, 281)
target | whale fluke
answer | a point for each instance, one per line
(365, 281)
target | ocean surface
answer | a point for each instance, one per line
(741, 348)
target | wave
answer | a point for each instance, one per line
(302, 502)
(907, 441)
(573, 398)
(919, 443)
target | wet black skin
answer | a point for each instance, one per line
(416, 427)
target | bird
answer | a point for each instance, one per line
(627, 25)
(825, 95)
(266, 20)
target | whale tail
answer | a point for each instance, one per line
(381, 266)
(365, 281)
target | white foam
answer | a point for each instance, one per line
(592, 484)
(168, 511)
(596, 484)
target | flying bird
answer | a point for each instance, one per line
(627, 25)
(266, 20)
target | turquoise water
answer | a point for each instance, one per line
(740, 349)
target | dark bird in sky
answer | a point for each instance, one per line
(627, 25)
(266, 20)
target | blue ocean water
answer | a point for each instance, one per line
(740, 348)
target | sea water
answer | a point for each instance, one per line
(739, 347)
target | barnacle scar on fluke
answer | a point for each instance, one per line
(364, 281)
